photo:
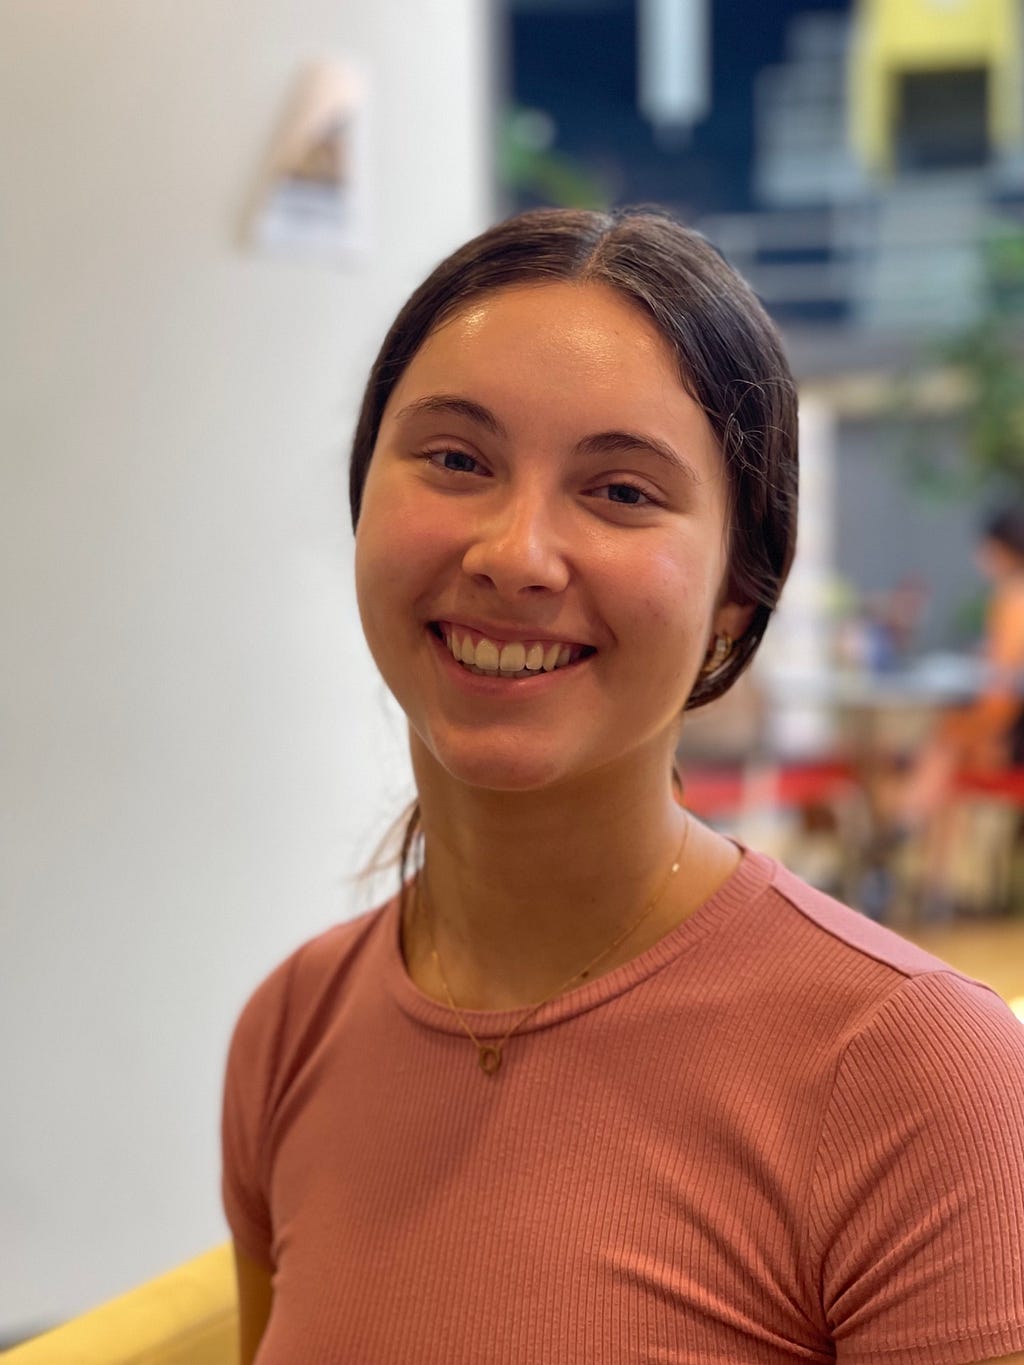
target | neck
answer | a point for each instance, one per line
(524, 889)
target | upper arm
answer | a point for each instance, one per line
(997, 705)
(255, 1300)
(1005, 644)
(248, 1080)
(921, 1160)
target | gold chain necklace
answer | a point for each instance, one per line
(489, 1054)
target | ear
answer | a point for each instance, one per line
(732, 619)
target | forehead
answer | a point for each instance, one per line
(580, 347)
(584, 321)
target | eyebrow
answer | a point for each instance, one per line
(616, 442)
(600, 443)
(452, 405)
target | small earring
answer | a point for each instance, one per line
(717, 654)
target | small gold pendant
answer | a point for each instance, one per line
(490, 1059)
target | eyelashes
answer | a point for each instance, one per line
(635, 495)
(617, 492)
(452, 459)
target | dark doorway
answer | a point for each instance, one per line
(942, 119)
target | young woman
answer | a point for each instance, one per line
(598, 1085)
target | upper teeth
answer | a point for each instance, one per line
(511, 660)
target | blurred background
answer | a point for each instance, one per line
(209, 215)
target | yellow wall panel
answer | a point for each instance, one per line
(892, 37)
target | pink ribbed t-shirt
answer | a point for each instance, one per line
(780, 1134)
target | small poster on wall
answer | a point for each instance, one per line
(313, 199)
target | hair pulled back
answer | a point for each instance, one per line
(1006, 528)
(729, 354)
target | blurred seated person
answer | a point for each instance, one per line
(987, 733)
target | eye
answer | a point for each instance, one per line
(626, 495)
(457, 461)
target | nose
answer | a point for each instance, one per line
(516, 547)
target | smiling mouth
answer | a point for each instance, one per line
(507, 659)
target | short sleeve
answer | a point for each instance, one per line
(248, 1084)
(919, 1187)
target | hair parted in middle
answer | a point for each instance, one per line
(728, 351)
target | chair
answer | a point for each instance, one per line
(187, 1317)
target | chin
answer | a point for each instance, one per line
(500, 768)
(505, 777)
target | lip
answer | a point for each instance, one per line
(479, 684)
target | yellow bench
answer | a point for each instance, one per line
(187, 1317)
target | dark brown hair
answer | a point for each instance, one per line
(730, 360)
(1006, 528)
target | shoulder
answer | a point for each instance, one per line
(896, 1023)
(925, 1059)
(277, 1029)
(943, 1047)
(914, 1205)
(296, 993)
(876, 996)
(841, 939)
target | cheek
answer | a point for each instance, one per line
(676, 593)
(401, 558)
(384, 539)
(380, 566)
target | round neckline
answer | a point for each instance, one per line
(748, 880)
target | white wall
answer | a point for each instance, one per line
(799, 645)
(195, 748)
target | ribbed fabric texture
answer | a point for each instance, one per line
(781, 1134)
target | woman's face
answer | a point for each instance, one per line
(547, 500)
